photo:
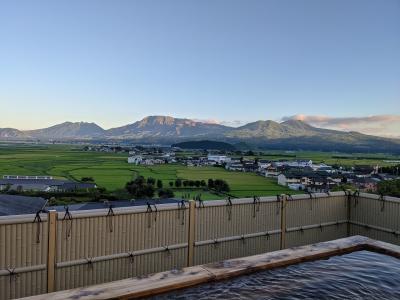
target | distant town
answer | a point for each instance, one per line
(300, 175)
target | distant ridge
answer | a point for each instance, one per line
(291, 134)
(205, 145)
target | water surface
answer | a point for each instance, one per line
(358, 275)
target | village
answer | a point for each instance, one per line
(299, 175)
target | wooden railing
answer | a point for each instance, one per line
(57, 252)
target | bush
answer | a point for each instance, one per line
(159, 184)
(166, 193)
(221, 185)
(389, 188)
(87, 179)
(151, 181)
(178, 183)
(139, 188)
(210, 183)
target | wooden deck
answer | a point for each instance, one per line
(177, 279)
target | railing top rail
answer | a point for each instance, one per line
(18, 219)
(271, 199)
(378, 197)
(102, 212)
(317, 195)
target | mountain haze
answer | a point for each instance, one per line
(291, 134)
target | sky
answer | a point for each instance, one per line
(115, 62)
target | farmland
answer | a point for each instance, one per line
(111, 171)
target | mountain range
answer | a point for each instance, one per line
(291, 134)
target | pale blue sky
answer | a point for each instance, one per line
(114, 62)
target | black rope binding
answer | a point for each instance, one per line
(150, 212)
(312, 196)
(216, 243)
(356, 196)
(278, 204)
(89, 262)
(68, 218)
(382, 200)
(256, 205)
(131, 257)
(167, 250)
(201, 203)
(347, 195)
(229, 208)
(243, 239)
(109, 219)
(38, 220)
(13, 277)
(181, 211)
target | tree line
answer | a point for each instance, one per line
(147, 188)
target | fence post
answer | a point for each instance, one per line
(283, 221)
(191, 233)
(51, 250)
(347, 194)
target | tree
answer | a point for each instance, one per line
(178, 183)
(87, 179)
(197, 183)
(389, 188)
(159, 184)
(203, 183)
(171, 183)
(210, 183)
(185, 183)
(151, 181)
(139, 188)
(165, 193)
(221, 185)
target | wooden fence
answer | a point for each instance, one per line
(56, 251)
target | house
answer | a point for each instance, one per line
(218, 158)
(298, 176)
(250, 166)
(136, 159)
(234, 166)
(295, 163)
(366, 184)
(43, 185)
(263, 164)
(271, 171)
(296, 186)
(26, 177)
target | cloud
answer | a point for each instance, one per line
(382, 125)
(232, 123)
(207, 121)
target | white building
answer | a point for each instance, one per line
(137, 159)
(219, 158)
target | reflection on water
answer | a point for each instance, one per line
(359, 275)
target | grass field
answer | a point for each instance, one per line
(112, 171)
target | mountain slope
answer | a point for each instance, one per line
(164, 127)
(11, 133)
(68, 130)
(291, 134)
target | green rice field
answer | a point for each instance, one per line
(112, 171)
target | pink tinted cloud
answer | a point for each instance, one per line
(382, 125)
